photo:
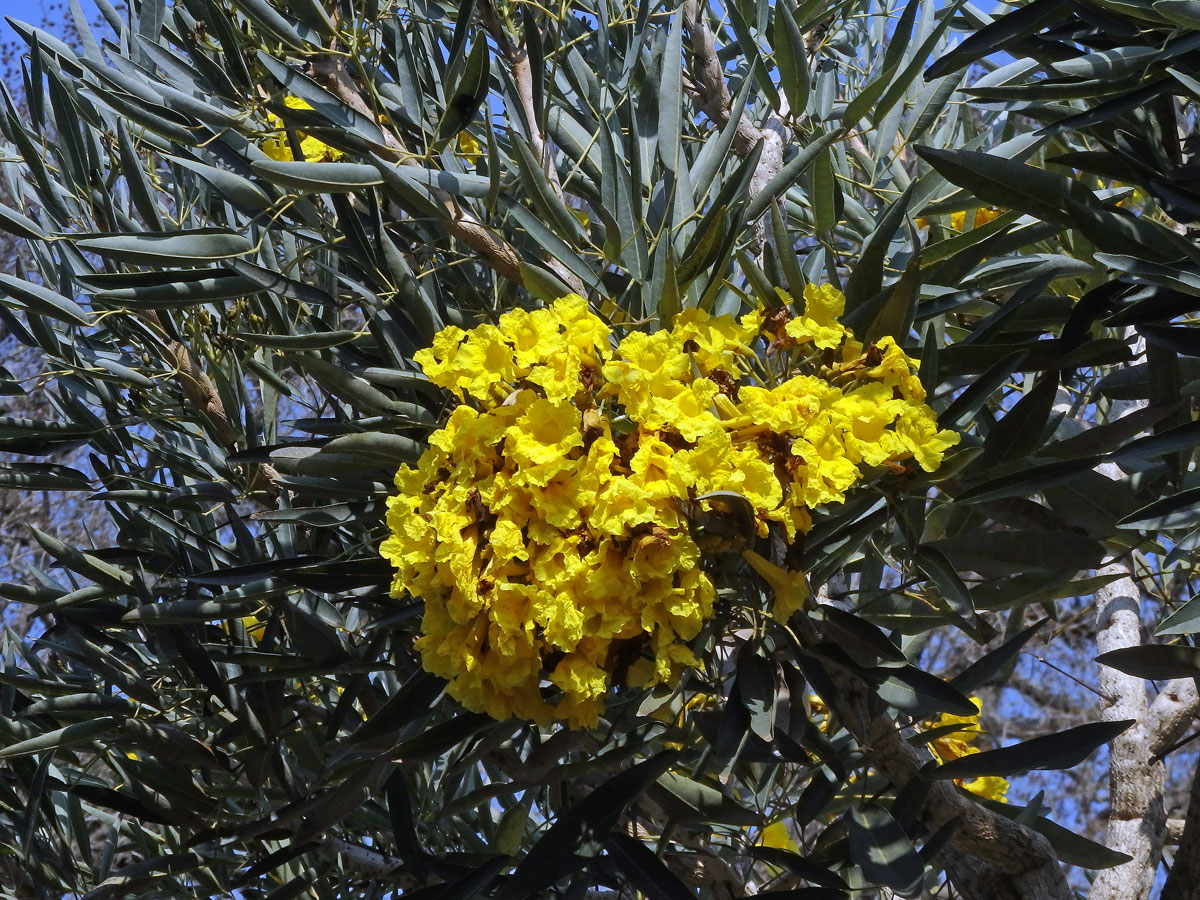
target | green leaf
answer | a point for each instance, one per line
(643, 869)
(689, 801)
(193, 287)
(755, 685)
(1027, 480)
(204, 244)
(882, 849)
(866, 279)
(1184, 620)
(670, 96)
(851, 630)
(325, 106)
(1062, 750)
(857, 108)
(791, 56)
(790, 173)
(1006, 552)
(800, 867)
(1180, 510)
(580, 829)
(1181, 12)
(319, 177)
(983, 669)
(1019, 432)
(1154, 661)
(934, 564)
(43, 301)
(1004, 31)
(921, 694)
(76, 733)
(1071, 848)
(469, 93)
(895, 317)
(823, 187)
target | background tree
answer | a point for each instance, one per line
(243, 220)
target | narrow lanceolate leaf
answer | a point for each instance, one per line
(791, 56)
(645, 871)
(1156, 661)
(882, 849)
(320, 177)
(1007, 28)
(995, 661)
(77, 733)
(1185, 620)
(1179, 511)
(588, 822)
(1053, 751)
(43, 301)
(159, 249)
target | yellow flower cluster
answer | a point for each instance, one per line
(958, 220)
(956, 744)
(547, 525)
(280, 148)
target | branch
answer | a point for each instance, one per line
(203, 396)
(1183, 881)
(1137, 823)
(1171, 713)
(370, 863)
(517, 58)
(461, 224)
(708, 80)
(989, 857)
(707, 86)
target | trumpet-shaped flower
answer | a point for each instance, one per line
(557, 527)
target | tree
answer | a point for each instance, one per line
(281, 250)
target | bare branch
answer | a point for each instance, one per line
(708, 80)
(517, 57)
(1137, 823)
(1171, 713)
(1183, 882)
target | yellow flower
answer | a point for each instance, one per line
(956, 744)
(822, 306)
(311, 148)
(896, 369)
(715, 343)
(917, 428)
(959, 219)
(548, 526)
(790, 588)
(469, 148)
(778, 836)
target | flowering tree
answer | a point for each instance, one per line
(602, 449)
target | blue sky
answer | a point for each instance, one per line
(33, 11)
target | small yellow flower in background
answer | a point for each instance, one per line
(956, 744)
(779, 837)
(548, 527)
(253, 625)
(280, 148)
(958, 220)
(469, 148)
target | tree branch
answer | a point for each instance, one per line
(989, 857)
(517, 57)
(708, 80)
(461, 224)
(711, 94)
(1183, 881)
(1137, 823)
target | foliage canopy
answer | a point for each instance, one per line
(245, 220)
